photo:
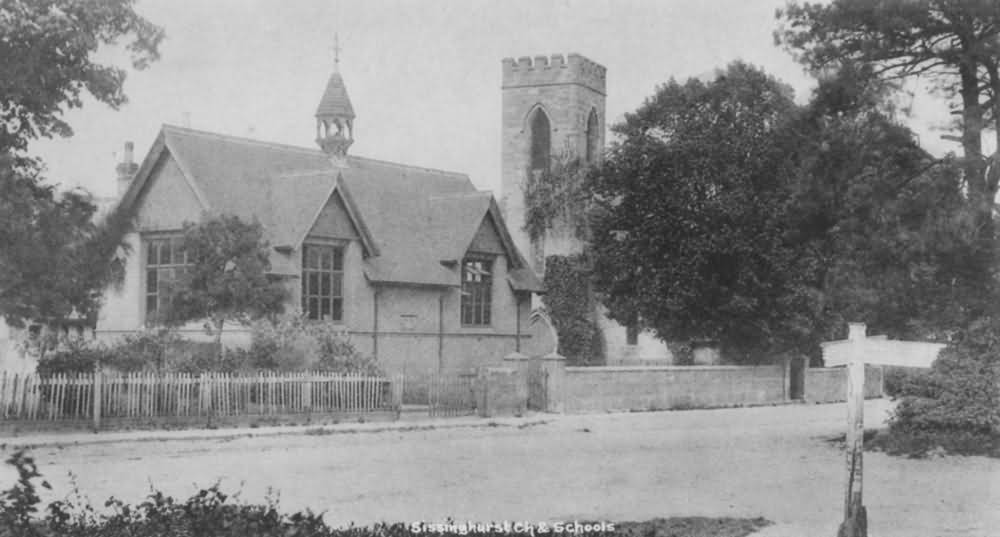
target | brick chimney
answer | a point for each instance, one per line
(126, 168)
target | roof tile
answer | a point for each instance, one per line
(335, 102)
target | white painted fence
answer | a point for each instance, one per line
(148, 395)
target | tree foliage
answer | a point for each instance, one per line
(686, 231)
(227, 276)
(54, 259)
(882, 229)
(728, 213)
(932, 265)
(47, 50)
(951, 45)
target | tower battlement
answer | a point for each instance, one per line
(555, 69)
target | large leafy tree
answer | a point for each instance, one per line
(686, 231)
(951, 45)
(226, 279)
(947, 259)
(54, 259)
(727, 212)
(881, 230)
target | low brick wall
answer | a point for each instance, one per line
(829, 384)
(598, 389)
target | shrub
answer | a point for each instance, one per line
(73, 357)
(962, 390)
(908, 380)
(287, 344)
(336, 353)
(920, 444)
(142, 351)
(19, 503)
(194, 357)
(157, 350)
(292, 343)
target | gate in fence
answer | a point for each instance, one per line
(77, 397)
(442, 394)
(538, 382)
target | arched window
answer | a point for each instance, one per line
(593, 137)
(541, 141)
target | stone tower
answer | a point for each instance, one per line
(553, 108)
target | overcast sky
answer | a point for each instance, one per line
(423, 75)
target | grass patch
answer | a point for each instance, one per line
(928, 444)
(692, 527)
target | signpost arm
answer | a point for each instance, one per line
(855, 516)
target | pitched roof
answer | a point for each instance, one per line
(410, 219)
(335, 102)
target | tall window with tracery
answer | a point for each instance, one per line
(541, 141)
(593, 138)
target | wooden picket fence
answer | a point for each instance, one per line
(149, 395)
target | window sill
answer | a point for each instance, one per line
(477, 329)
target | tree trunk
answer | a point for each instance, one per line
(993, 175)
(974, 166)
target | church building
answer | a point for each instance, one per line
(416, 264)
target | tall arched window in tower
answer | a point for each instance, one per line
(593, 137)
(541, 141)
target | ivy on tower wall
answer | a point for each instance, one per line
(572, 306)
(556, 195)
(556, 198)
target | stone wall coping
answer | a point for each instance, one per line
(640, 368)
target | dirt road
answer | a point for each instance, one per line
(767, 461)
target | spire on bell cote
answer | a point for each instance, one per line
(335, 116)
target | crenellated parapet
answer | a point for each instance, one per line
(555, 69)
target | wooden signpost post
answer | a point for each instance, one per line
(854, 354)
(855, 517)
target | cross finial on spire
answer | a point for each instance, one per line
(336, 52)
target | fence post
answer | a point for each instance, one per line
(307, 380)
(397, 395)
(98, 377)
